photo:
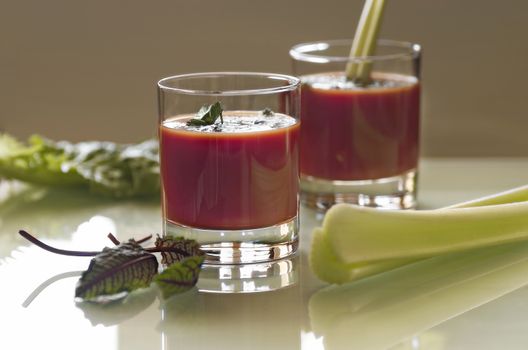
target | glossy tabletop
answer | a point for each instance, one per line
(454, 302)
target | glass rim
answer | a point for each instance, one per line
(303, 51)
(292, 83)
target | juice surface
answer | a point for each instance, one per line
(356, 133)
(243, 174)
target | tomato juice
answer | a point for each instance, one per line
(240, 174)
(354, 133)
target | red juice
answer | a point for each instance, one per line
(358, 133)
(240, 175)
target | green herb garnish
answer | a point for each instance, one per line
(116, 271)
(207, 115)
(267, 112)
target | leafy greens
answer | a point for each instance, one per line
(105, 168)
(116, 271)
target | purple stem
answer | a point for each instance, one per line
(44, 246)
(49, 248)
(113, 239)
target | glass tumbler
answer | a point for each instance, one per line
(359, 142)
(233, 184)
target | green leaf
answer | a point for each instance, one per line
(38, 162)
(119, 170)
(9, 145)
(180, 276)
(174, 249)
(118, 271)
(207, 115)
(105, 167)
(267, 112)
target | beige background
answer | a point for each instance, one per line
(87, 69)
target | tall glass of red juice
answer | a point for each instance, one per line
(232, 184)
(359, 142)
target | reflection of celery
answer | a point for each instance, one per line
(409, 300)
(104, 167)
(358, 242)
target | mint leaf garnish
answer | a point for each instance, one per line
(180, 276)
(207, 115)
(267, 112)
(116, 270)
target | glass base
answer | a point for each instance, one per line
(242, 246)
(249, 278)
(395, 192)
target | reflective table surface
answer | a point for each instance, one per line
(477, 301)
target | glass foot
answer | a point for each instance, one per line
(396, 192)
(242, 246)
(249, 278)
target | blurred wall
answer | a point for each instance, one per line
(87, 69)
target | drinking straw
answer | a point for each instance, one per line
(364, 43)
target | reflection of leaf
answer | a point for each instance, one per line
(180, 276)
(181, 304)
(117, 271)
(179, 248)
(48, 282)
(120, 311)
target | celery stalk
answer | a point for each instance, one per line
(364, 43)
(519, 194)
(334, 262)
(360, 234)
(328, 267)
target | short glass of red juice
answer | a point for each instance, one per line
(359, 142)
(232, 185)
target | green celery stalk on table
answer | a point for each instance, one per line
(104, 167)
(356, 242)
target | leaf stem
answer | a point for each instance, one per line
(142, 240)
(117, 242)
(167, 249)
(113, 239)
(49, 248)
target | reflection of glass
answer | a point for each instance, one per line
(409, 300)
(183, 318)
(359, 144)
(233, 321)
(232, 186)
(249, 278)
